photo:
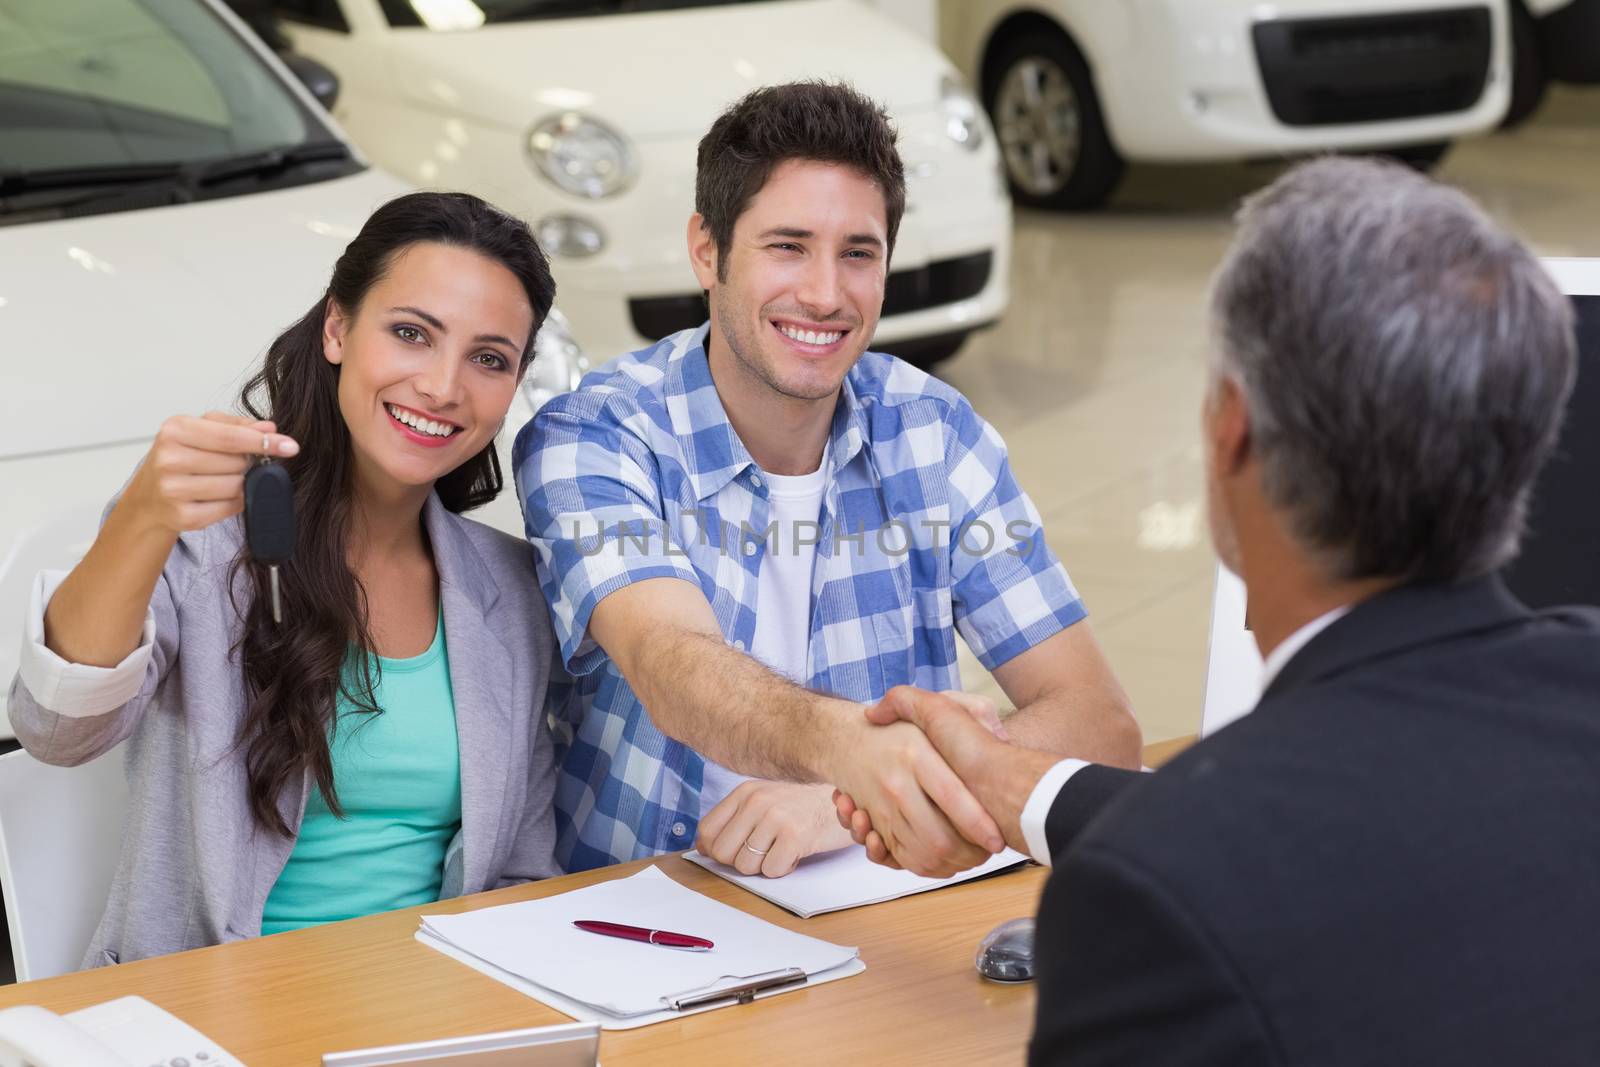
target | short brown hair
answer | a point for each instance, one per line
(809, 120)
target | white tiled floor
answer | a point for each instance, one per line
(1096, 374)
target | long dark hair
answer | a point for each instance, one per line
(295, 673)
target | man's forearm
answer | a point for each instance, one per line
(728, 706)
(1004, 786)
(1060, 723)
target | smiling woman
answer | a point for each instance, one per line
(431, 358)
(355, 759)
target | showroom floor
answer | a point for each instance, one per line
(1096, 374)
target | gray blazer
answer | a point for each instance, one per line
(194, 869)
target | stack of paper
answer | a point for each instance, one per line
(845, 878)
(533, 947)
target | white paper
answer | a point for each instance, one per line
(845, 878)
(607, 1021)
(536, 941)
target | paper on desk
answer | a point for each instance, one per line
(607, 1021)
(845, 878)
(535, 940)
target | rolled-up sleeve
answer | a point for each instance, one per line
(593, 510)
(77, 690)
(1010, 591)
(69, 713)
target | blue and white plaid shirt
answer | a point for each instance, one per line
(639, 474)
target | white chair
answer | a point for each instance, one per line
(60, 836)
(1233, 668)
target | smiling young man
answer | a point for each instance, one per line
(747, 530)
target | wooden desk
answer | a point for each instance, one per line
(1158, 753)
(285, 1000)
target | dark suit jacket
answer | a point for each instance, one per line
(1394, 860)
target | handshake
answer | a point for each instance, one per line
(933, 784)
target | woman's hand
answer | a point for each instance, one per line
(194, 473)
(192, 476)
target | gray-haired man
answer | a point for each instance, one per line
(1394, 859)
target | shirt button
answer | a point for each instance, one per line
(755, 480)
(749, 548)
(739, 645)
(678, 829)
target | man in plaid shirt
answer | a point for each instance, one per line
(747, 531)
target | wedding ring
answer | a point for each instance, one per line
(757, 851)
(266, 442)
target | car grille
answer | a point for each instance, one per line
(942, 282)
(1320, 72)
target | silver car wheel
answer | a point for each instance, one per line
(1039, 125)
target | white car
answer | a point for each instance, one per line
(1077, 87)
(170, 200)
(588, 126)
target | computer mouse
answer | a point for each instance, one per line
(1006, 954)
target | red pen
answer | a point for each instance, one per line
(664, 938)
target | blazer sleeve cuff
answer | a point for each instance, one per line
(77, 690)
(1037, 810)
(1080, 799)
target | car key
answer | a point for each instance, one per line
(269, 521)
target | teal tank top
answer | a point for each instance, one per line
(398, 778)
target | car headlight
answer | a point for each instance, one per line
(963, 115)
(582, 155)
(572, 236)
(558, 364)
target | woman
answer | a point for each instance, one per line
(386, 744)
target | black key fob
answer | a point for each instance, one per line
(269, 513)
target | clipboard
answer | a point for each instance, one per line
(584, 1013)
(534, 947)
(743, 993)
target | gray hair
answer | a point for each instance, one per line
(1405, 363)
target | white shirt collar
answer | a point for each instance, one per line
(1296, 641)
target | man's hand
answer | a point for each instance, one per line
(664, 637)
(768, 827)
(982, 710)
(1000, 776)
(919, 808)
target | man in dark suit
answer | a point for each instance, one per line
(1396, 858)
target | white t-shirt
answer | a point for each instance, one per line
(783, 596)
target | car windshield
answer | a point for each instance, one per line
(146, 96)
(469, 14)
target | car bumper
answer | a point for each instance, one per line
(1233, 80)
